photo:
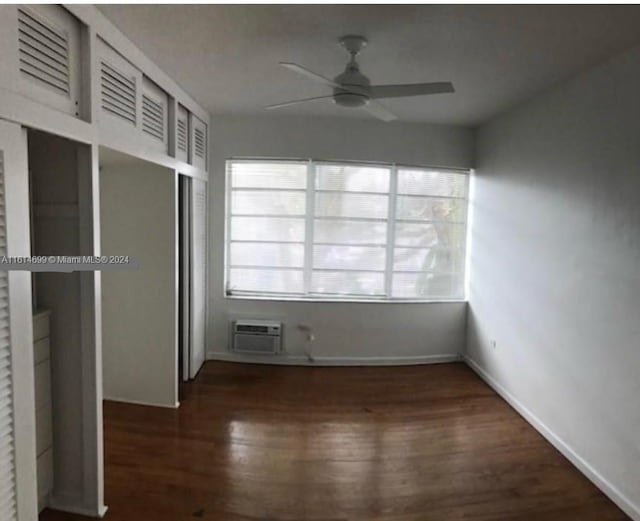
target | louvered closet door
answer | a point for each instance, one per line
(198, 274)
(8, 507)
(18, 496)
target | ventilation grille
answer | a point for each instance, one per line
(7, 448)
(199, 143)
(152, 117)
(44, 52)
(118, 93)
(256, 344)
(182, 135)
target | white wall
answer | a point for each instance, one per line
(345, 332)
(555, 260)
(139, 315)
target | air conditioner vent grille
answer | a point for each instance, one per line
(152, 117)
(44, 52)
(252, 329)
(257, 337)
(118, 93)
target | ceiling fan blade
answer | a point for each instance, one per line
(309, 74)
(410, 89)
(322, 79)
(379, 111)
(296, 102)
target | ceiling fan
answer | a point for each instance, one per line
(352, 89)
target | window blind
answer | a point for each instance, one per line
(316, 230)
(265, 252)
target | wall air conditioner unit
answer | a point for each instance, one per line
(257, 337)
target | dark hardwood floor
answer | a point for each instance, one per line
(267, 443)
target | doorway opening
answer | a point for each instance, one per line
(64, 318)
(138, 215)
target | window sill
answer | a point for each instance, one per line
(332, 300)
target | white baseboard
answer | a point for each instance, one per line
(141, 402)
(625, 504)
(335, 360)
(66, 504)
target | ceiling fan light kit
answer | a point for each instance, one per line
(352, 89)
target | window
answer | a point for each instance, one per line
(329, 230)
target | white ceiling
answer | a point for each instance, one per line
(226, 56)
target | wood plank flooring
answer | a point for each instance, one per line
(274, 443)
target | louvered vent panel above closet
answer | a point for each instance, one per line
(153, 117)
(200, 143)
(7, 436)
(182, 135)
(44, 52)
(118, 93)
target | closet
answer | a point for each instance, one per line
(138, 208)
(59, 172)
(78, 95)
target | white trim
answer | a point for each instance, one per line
(177, 286)
(68, 505)
(91, 329)
(310, 210)
(183, 265)
(13, 143)
(141, 402)
(471, 183)
(335, 360)
(20, 109)
(390, 239)
(631, 509)
(128, 142)
(331, 299)
(227, 226)
(208, 233)
(351, 162)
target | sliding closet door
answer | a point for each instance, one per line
(18, 493)
(184, 209)
(198, 274)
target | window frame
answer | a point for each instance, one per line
(309, 220)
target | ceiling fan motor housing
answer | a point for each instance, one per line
(351, 77)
